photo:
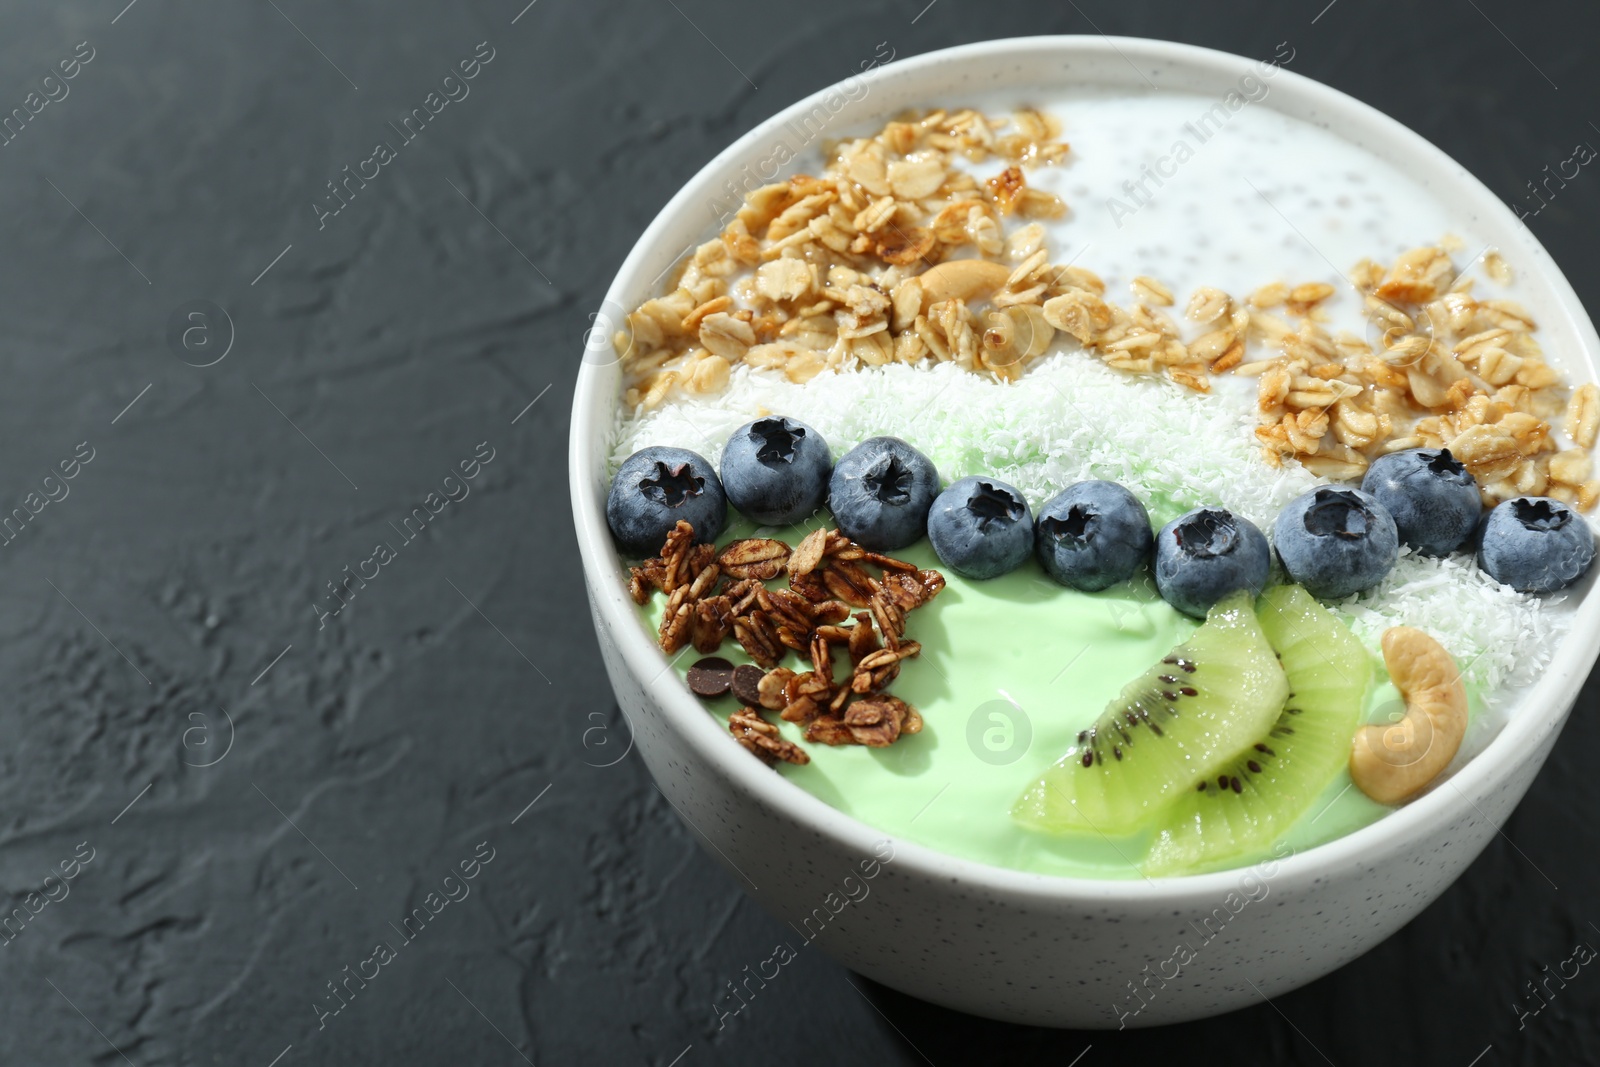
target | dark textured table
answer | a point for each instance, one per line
(243, 742)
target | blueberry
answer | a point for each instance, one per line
(880, 493)
(1336, 541)
(1093, 535)
(1206, 554)
(1535, 545)
(657, 486)
(775, 470)
(1433, 498)
(981, 528)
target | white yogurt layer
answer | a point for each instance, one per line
(1266, 197)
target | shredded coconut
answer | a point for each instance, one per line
(1067, 420)
(1070, 419)
(1498, 636)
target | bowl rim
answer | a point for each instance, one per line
(1543, 708)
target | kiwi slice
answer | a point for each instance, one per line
(1248, 804)
(1178, 721)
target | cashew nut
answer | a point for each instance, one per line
(961, 279)
(1392, 762)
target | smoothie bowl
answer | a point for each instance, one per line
(1089, 533)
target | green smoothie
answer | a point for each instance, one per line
(1011, 669)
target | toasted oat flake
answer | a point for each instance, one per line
(762, 740)
(1147, 290)
(754, 557)
(1269, 295)
(1208, 304)
(783, 279)
(1310, 293)
(1583, 414)
(1497, 268)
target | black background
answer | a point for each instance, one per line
(464, 682)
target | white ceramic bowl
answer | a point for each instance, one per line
(1006, 944)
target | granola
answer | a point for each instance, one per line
(859, 265)
(712, 596)
(896, 254)
(1448, 370)
(754, 557)
(762, 740)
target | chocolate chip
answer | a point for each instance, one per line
(746, 679)
(711, 677)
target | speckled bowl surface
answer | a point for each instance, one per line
(1008, 944)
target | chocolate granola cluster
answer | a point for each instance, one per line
(839, 596)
